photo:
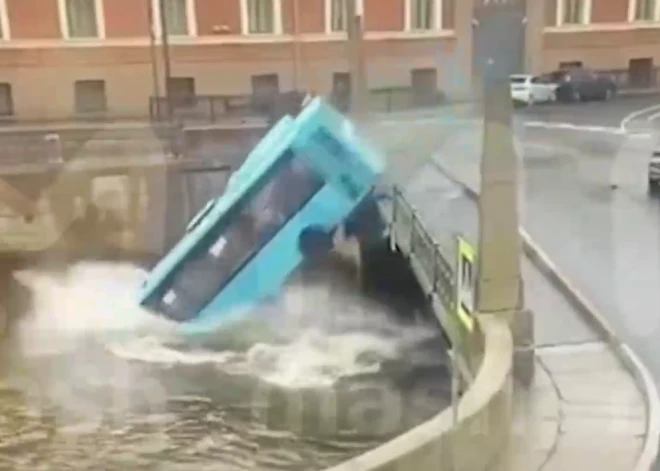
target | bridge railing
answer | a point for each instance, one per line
(412, 237)
(228, 143)
(201, 108)
(218, 108)
(626, 80)
(52, 147)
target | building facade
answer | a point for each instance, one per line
(64, 59)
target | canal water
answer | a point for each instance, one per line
(90, 381)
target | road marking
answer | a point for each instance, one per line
(444, 119)
(572, 127)
(553, 149)
(636, 114)
(653, 117)
(575, 127)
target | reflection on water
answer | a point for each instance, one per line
(90, 381)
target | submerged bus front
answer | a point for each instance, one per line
(300, 183)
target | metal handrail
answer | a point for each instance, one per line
(424, 249)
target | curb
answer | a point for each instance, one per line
(639, 92)
(630, 360)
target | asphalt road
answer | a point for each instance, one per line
(447, 210)
(583, 198)
(588, 206)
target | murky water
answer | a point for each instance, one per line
(89, 381)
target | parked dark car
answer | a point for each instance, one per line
(580, 84)
(654, 172)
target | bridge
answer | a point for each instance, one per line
(52, 176)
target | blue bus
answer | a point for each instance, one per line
(307, 177)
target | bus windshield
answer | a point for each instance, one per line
(231, 245)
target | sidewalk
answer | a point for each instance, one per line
(585, 410)
(639, 91)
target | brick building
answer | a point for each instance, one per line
(65, 58)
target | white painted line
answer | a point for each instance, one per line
(425, 120)
(653, 117)
(572, 127)
(594, 346)
(640, 135)
(596, 129)
(636, 114)
(554, 149)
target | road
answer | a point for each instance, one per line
(583, 198)
(589, 208)
(446, 209)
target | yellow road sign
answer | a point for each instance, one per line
(466, 280)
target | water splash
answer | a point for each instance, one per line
(324, 332)
(89, 299)
(92, 364)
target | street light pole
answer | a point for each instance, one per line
(499, 283)
(164, 34)
(296, 44)
(154, 60)
(355, 33)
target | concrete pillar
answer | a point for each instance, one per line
(499, 284)
(176, 197)
(68, 200)
(134, 193)
(16, 201)
(155, 240)
(523, 339)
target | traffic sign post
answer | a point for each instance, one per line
(466, 277)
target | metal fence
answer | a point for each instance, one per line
(626, 80)
(227, 143)
(412, 237)
(201, 108)
(20, 148)
(218, 108)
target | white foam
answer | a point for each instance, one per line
(88, 300)
(328, 330)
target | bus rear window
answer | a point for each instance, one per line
(227, 249)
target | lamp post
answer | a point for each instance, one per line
(165, 47)
(154, 61)
(296, 44)
(499, 281)
(355, 33)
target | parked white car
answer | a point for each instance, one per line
(532, 89)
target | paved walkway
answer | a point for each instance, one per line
(584, 410)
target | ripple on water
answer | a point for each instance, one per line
(94, 383)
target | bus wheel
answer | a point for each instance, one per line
(315, 242)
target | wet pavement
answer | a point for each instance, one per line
(584, 408)
(605, 239)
